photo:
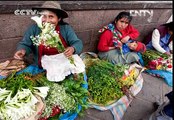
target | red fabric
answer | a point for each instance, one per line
(62, 39)
(50, 51)
(141, 47)
(130, 31)
(105, 41)
(106, 37)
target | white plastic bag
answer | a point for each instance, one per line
(58, 66)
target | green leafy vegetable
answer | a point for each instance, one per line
(103, 81)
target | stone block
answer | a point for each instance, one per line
(164, 16)
(94, 41)
(149, 16)
(109, 16)
(136, 110)
(86, 19)
(142, 16)
(86, 117)
(166, 89)
(152, 88)
(88, 5)
(8, 47)
(94, 114)
(157, 14)
(13, 25)
(146, 30)
(85, 36)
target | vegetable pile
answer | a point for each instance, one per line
(105, 81)
(128, 79)
(19, 96)
(65, 95)
(157, 61)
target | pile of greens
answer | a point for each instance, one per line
(77, 88)
(17, 82)
(60, 97)
(150, 55)
(17, 96)
(67, 94)
(103, 80)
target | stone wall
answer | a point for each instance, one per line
(86, 17)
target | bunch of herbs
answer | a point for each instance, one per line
(103, 81)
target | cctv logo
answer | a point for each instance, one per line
(26, 12)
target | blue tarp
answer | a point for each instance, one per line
(168, 76)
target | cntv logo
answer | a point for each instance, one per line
(142, 13)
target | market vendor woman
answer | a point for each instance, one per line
(52, 13)
(118, 32)
(161, 39)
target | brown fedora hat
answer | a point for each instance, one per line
(52, 6)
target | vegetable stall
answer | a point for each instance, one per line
(65, 86)
(111, 87)
(159, 65)
(21, 93)
(102, 86)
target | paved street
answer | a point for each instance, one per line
(141, 107)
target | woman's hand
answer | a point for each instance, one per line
(111, 48)
(125, 39)
(69, 51)
(20, 54)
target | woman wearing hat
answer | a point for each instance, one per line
(113, 37)
(52, 13)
